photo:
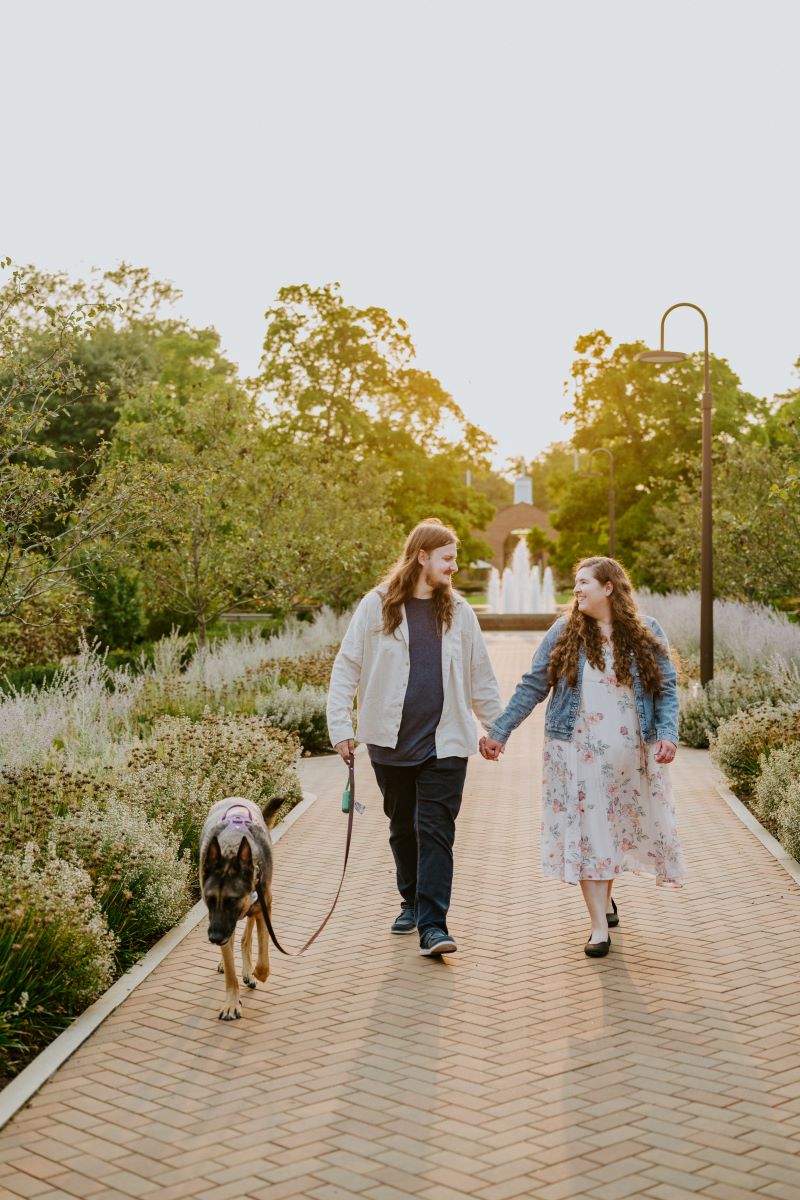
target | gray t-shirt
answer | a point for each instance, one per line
(424, 698)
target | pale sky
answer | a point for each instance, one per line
(505, 176)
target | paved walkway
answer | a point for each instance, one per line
(516, 1068)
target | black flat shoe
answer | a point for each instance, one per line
(597, 949)
(613, 917)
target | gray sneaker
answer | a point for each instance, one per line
(404, 922)
(436, 941)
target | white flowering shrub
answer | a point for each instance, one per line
(56, 950)
(140, 879)
(740, 742)
(186, 766)
(776, 795)
(704, 709)
(299, 709)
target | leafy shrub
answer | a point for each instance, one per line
(56, 950)
(301, 710)
(777, 790)
(789, 818)
(187, 766)
(703, 709)
(117, 597)
(48, 628)
(141, 882)
(740, 742)
(32, 798)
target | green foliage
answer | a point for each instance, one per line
(47, 622)
(539, 544)
(650, 418)
(756, 528)
(56, 951)
(740, 742)
(42, 525)
(703, 710)
(140, 881)
(343, 378)
(116, 593)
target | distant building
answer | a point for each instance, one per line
(523, 490)
(519, 516)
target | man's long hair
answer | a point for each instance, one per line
(630, 636)
(401, 579)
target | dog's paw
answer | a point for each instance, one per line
(261, 973)
(231, 1012)
(220, 968)
(248, 981)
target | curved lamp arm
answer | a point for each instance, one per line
(696, 307)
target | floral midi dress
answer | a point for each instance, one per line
(607, 803)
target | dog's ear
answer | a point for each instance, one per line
(213, 853)
(245, 853)
(270, 811)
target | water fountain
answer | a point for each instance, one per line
(522, 588)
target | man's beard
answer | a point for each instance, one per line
(435, 584)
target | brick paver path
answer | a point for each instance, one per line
(516, 1068)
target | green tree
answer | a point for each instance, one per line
(202, 545)
(42, 528)
(650, 418)
(756, 498)
(336, 375)
(132, 339)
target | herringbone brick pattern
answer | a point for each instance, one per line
(516, 1068)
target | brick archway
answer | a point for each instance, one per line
(516, 516)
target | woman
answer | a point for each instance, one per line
(611, 728)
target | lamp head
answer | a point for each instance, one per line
(661, 356)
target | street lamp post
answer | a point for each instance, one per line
(706, 545)
(612, 538)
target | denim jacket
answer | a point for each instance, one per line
(658, 715)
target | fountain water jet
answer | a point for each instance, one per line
(523, 588)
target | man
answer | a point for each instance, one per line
(415, 654)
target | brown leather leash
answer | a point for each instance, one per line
(315, 935)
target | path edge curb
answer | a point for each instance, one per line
(16, 1094)
(751, 822)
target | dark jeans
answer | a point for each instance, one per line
(422, 804)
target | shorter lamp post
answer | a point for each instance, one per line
(663, 357)
(612, 538)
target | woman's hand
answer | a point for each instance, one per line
(665, 751)
(345, 748)
(491, 749)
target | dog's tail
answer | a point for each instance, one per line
(270, 810)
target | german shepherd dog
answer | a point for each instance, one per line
(235, 859)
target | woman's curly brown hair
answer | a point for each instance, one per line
(401, 579)
(630, 637)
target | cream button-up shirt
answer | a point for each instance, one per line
(376, 666)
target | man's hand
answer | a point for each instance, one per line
(490, 749)
(665, 751)
(345, 748)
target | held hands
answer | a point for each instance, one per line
(490, 749)
(345, 748)
(665, 751)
